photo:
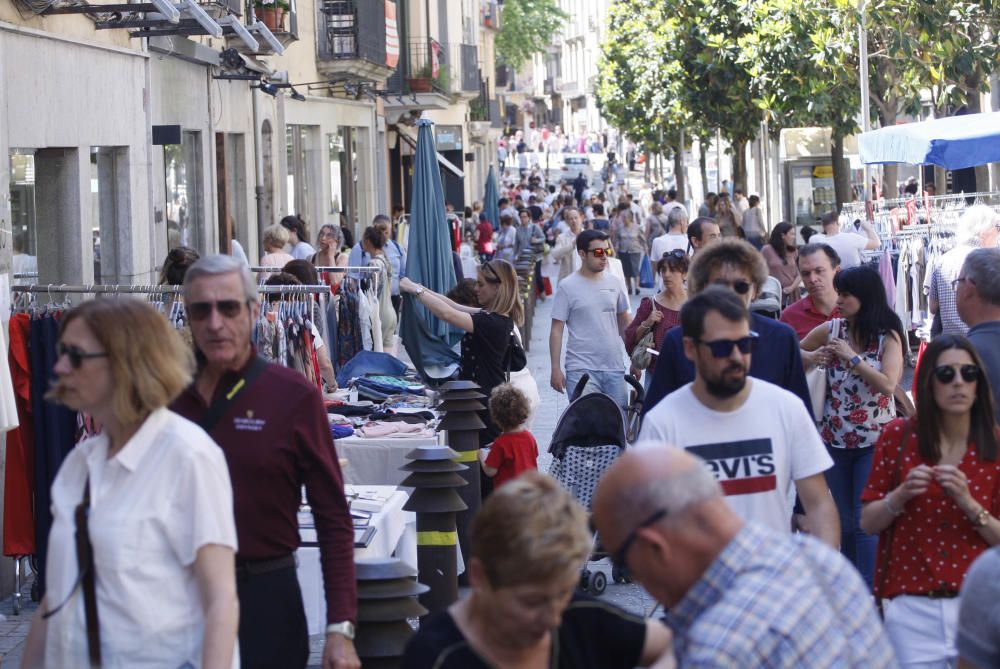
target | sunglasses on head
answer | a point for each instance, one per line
(199, 311)
(600, 253)
(489, 267)
(741, 287)
(620, 555)
(676, 253)
(76, 355)
(723, 348)
(946, 373)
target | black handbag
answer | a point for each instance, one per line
(515, 359)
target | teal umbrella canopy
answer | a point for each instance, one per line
(490, 201)
(428, 339)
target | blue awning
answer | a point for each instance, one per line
(952, 143)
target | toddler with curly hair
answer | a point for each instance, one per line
(515, 451)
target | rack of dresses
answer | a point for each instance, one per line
(48, 431)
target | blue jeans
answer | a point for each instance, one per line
(609, 383)
(847, 479)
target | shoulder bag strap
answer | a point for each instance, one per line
(885, 548)
(221, 405)
(85, 563)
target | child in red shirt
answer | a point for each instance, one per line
(514, 451)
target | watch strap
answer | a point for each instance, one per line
(345, 629)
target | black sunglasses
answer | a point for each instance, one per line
(619, 556)
(741, 287)
(723, 348)
(946, 373)
(199, 311)
(76, 356)
(492, 271)
(676, 253)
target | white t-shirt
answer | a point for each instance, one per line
(848, 246)
(163, 496)
(756, 452)
(665, 244)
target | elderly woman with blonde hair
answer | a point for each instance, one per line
(152, 582)
(529, 541)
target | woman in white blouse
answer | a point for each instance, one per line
(160, 518)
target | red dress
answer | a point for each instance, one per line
(19, 474)
(933, 543)
(512, 454)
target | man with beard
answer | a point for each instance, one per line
(756, 437)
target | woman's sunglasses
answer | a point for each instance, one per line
(76, 355)
(496, 277)
(601, 253)
(946, 373)
(676, 253)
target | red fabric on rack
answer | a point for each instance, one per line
(19, 473)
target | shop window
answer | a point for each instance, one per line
(232, 185)
(301, 144)
(23, 217)
(184, 205)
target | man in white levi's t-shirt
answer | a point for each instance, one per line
(756, 438)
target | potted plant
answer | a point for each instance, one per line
(271, 13)
(421, 80)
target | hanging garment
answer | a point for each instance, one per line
(888, 280)
(349, 340)
(55, 430)
(19, 471)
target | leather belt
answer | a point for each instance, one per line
(936, 594)
(249, 568)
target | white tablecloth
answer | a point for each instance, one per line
(395, 532)
(378, 461)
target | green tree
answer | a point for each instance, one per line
(527, 27)
(803, 61)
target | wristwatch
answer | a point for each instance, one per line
(345, 629)
(854, 362)
(981, 518)
(419, 291)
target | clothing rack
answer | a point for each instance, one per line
(54, 289)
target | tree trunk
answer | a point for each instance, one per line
(841, 173)
(679, 171)
(890, 171)
(703, 166)
(974, 103)
(740, 165)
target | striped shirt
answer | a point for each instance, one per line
(779, 602)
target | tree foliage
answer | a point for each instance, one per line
(527, 27)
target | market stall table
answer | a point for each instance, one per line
(377, 461)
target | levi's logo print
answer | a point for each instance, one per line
(741, 467)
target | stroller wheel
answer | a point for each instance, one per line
(598, 583)
(620, 575)
(585, 580)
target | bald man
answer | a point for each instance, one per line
(737, 593)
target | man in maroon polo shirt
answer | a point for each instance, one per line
(272, 426)
(818, 263)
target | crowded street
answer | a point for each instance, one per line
(499, 334)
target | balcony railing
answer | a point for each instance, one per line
(353, 33)
(429, 67)
(490, 14)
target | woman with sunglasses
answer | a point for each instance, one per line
(151, 495)
(660, 313)
(863, 354)
(933, 498)
(782, 258)
(486, 346)
(529, 541)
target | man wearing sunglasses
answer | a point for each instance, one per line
(977, 298)
(757, 438)
(272, 427)
(592, 304)
(737, 594)
(736, 265)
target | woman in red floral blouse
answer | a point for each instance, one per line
(863, 354)
(933, 497)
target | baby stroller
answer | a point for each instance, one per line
(590, 434)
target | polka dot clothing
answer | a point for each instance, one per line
(933, 542)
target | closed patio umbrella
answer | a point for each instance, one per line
(428, 340)
(491, 199)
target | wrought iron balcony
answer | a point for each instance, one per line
(490, 14)
(431, 67)
(351, 39)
